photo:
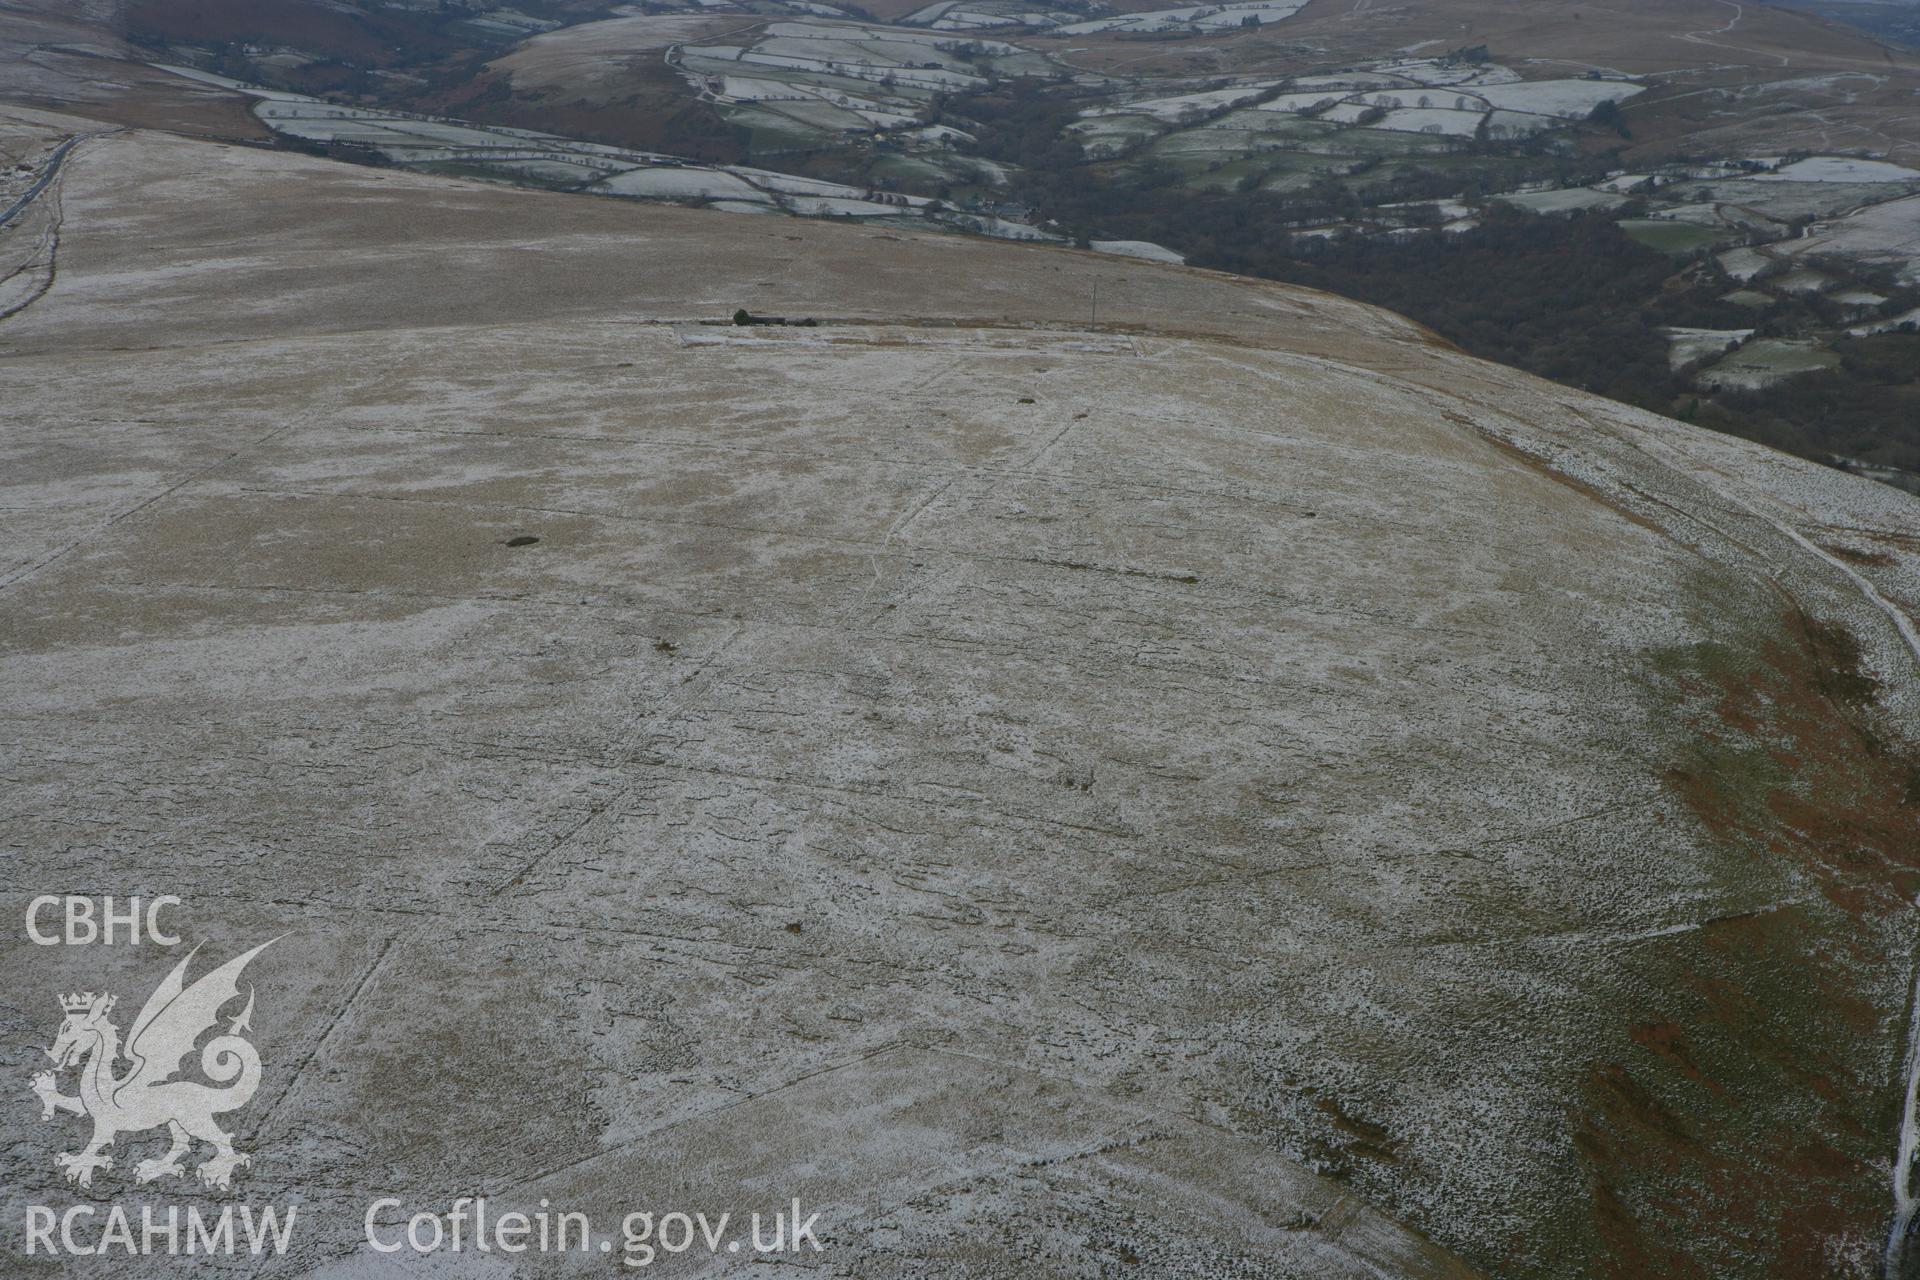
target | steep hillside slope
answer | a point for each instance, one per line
(1235, 788)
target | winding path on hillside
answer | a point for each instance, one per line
(1739, 12)
(46, 178)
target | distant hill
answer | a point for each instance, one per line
(1897, 20)
(1685, 167)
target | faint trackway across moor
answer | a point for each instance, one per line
(45, 180)
(41, 264)
(1739, 12)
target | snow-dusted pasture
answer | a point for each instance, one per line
(1562, 201)
(1105, 135)
(680, 184)
(1350, 81)
(812, 77)
(1886, 235)
(1302, 101)
(1448, 210)
(1803, 280)
(1172, 110)
(794, 184)
(1520, 124)
(943, 134)
(1788, 201)
(864, 35)
(1840, 169)
(1906, 320)
(1762, 362)
(1746, 263)
(597, 168)
(1691, 346)
(561, 172)
(899, 47)
(1428, 71)
(931, 14)
(1001, 228)
(760, 89)
(809, 102)
(1566, 99)
(1417, 96)
(1699, 215)
(395, 134)
(1623, 183)
(1348, 112)
(841, 207)
(1232, 17)
(1191, 18)
(1153, 20)
(1858, 298)
(225, 82)
(975, 17)
(1457, 124)
(1145, 250)
(860, 64)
